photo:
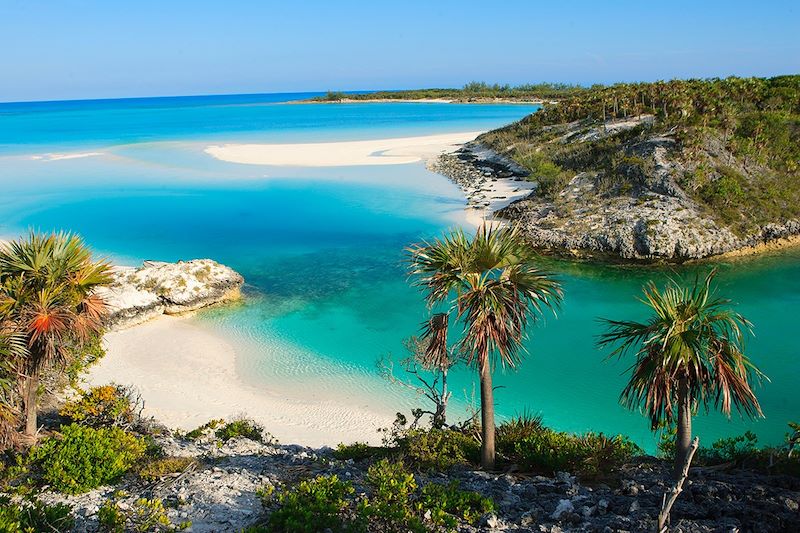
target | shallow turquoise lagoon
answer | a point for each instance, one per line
(322, 249)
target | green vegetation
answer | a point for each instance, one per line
(160, 467)
(357, 451)
(473, 91)
(492, 284)
(738, 140)
(105, 406)
(241, 428)
(144, 516)
(84, 458)
(46, 298)
(590, 456)
(438, 449)
(199, 431)
(394, 502)
(313, 505)
(689, 352)
(33, 516)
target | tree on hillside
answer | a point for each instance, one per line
(688, 353)
(491, 282)
(47, 284)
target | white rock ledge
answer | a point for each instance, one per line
(139, 294)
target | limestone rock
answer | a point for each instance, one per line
(139, 294)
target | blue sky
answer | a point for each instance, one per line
(65, 49)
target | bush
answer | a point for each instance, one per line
(730, 450)
(438, 449)
(108, 405)
(389, 506)
(358, 451)
(313, 505)
(33, 515)
(202, 430)
(83, 458)
(142, 516)
(551, 178)
(156, 469)
(588, 455)
(444, 502)
(241, 428)
(516, 429)
(394, 503)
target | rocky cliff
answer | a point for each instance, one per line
(641, 213)
(140, 294)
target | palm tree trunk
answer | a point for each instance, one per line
(487, 415)
(31, 390)
(444, 398)
(684, 437)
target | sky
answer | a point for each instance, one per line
(73, 49)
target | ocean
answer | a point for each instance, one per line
(322, 249)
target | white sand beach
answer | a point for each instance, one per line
(397, 151)
(187, 375)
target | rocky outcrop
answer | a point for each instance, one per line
(220, 493)
(640, 214)
(140, 294)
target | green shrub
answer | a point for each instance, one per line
(588, 455)
(551, 178)
(241, 428)
(514, 430)
(108, 405)
(730, 450)
(33, 515)
(358, 451)
(83, 458)
(313, 505)
(388, 507)
(142, 516)
(438, 449)
(158, 468)
(444, 502)
(201, 430)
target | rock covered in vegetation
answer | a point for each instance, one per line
(654, 172)
(139, 294)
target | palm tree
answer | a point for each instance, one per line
(46, 296)
(689, 352)
(492, 284)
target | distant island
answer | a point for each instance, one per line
(677, 170)
(473, 92)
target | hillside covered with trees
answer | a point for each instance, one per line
(674, 170)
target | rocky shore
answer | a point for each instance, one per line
(137, 295)
(219, 493)
(658, 222)
(490, 182)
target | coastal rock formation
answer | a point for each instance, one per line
(139, 294)
(646, 216)
(220, 493)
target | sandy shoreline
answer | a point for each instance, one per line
(187, 375)
(395, 151)
(423, 101)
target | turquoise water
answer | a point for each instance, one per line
(322, 249)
